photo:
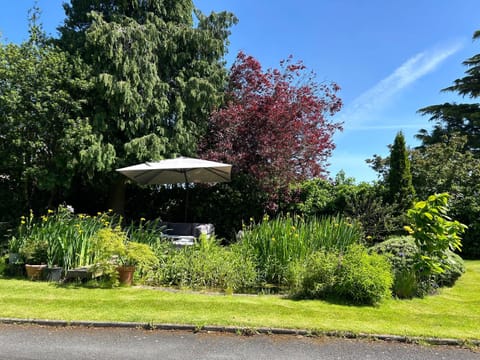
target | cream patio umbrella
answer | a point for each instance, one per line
(181, 170)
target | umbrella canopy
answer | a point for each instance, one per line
(177, 171)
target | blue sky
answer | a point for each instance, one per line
(390, 58)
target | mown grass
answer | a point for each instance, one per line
(453, 313)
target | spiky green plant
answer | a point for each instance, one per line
(275, 243)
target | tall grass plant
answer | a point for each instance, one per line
(276, 243)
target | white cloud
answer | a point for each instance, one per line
(383, 127)
(410, 71)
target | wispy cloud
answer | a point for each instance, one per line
(383, 127)
(410, 71)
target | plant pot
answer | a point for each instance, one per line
(13, 257)
(125, 274)
(83, 273)
(34, 272)
(53, 273)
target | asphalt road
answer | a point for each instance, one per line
(46, 342)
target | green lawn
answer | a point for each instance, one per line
(454, 313)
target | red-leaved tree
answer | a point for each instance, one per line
(275, 125)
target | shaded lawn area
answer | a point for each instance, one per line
(454, 313)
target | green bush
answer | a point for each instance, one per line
(364, 278)
(207, 264)
(314, 278)
(402, 252)
(353, 275)
(454, 268)
(434, 233)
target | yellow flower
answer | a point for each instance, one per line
(50, 211)
(408, 229)
(44, 218)
(110, 210)
(142, 219)
(22, 222)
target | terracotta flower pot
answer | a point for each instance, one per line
(125, 274)
(34, 272)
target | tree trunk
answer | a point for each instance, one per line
(116, 201)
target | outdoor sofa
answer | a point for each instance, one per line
(185, 234)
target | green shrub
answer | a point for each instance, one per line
(434, 233)
(207, 264)
(402, 252)
(353, 275)
(454, 268)
(314, 278)
(363, 278)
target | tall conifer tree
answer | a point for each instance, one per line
(399, 179)
(458, 119)
(157, 73)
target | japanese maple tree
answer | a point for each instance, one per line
(276, 125)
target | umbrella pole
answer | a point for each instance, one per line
(186, 201)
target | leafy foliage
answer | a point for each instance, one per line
(157, 76)
(205, 265)
(362, 202)
(446, 167)
(353, 275)
(409, 281)
(45, 138)
(452, 118)
(274, 126)
(434, 232)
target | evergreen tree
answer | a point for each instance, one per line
(44, 139)
(453, 118)
(157, 73)
(399, 178)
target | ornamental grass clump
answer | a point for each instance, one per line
(275, 243)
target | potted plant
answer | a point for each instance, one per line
(53, 271)
(34, 252)
(14, 244)
(118, 258)
(135, 255)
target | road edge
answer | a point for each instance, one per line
(246, 331)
